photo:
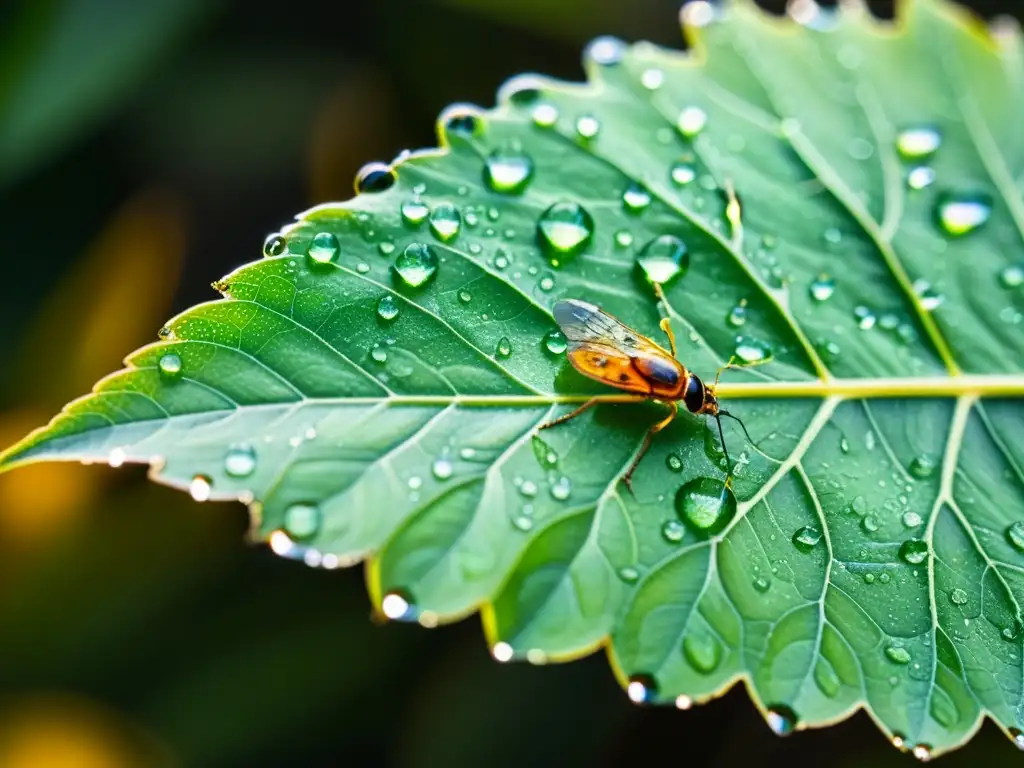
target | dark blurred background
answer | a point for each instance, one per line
(146, 149)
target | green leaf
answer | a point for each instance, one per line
(874, 558)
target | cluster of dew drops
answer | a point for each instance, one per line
(563, 230)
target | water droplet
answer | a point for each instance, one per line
(823, 288)
(884, 577)
(751, 350)
(962, 213)
(387, 308)
(324, 248)
(200, 488)
(414, 212)
(398, 606)
(691, 121)
(673, 531)
(738, 314)
(897, 654)
(635, 198)
(240, 461)
(869, 524)
(664, 259)
(762, 584)
(674, 463)
(504, 348)
(523, 523)
(442, 468)
(544, 115)
(860, 149)
(918, 142)
(682, 700)
(1018, 737)
(922, 752)
(865, 318)
(561, 489)
(462, 121)
(781, 719)
(869, 578)
(374, 177)
(555, 342)
(623, 238)
(641, 689)
(502, 652)
(805, 538)
(911, 519)
(958, 597)
(508, 171)
(705, 505)
(386, 248)
(682, 174)
(914, 551)
(1012, 276)
(1015, 535)
(652, 79)
(528, 488)
(922, 467)
(920, 177)
(302, 521)
(379, 354)
(546, 283)
(587, 127)
(445, 222)
(629, 575)
(274, 245)
(565, 229)
(606, 50)
(702, 651)
(416, 265)
(170, 365)
(928, 297)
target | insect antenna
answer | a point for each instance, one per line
(742, 425)
(721, 436)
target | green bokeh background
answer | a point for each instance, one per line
(145, 150)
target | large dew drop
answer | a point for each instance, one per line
(914, 551)
(961, 214)
(374, 177)
(170, 365)
(445, 222)
(324, 248)
(918, 142)
(751, 350)
(508, 171)
(414, 212)
(702, 651)
(641, 689)
(691, 121)
(706, 506)
(781, 719)
(565, 229)
(635, 198)
(663, 260)
(240, 461)
(555, 343)
(387, 308)
(274, 245)
(302, 521)
(806, 538)
(1015, 535)
(416, 265)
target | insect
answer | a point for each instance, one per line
(603, 348)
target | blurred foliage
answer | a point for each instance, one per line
(143, 140)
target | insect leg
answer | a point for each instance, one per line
(571, 415)
(666, 323)
(628, 477)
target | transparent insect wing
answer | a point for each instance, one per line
(581, 321)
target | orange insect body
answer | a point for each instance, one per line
(603, 348)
